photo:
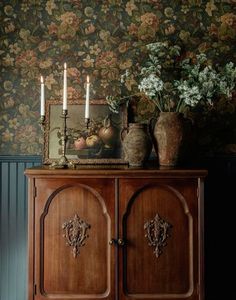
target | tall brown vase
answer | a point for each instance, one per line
(168, 138)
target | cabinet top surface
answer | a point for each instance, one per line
(114, 171)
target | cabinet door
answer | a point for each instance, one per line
(159, 225)
(74, 221)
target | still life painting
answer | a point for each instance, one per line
(97, 142)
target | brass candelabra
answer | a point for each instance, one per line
(62, 162)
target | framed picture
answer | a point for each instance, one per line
(100, 143)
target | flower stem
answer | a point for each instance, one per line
(178, 107)
(125, 97)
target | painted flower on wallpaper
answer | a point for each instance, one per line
(50, 81)
(228, 19)
(99, 38)
(107, 62)
(130, 7)
(45, 64)
(8, 10)
(88, 62)
(44, 46)
(10, 27)
(68, 27)
(148, 27)
(74, 72)
(52, 28)
(50, 6)
(26, 59)
(90, 29)
(211, 7)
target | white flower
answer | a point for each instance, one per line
(173, 85)
(190, 95)
(151, 85)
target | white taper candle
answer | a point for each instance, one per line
(65, 88)
(87, 99)
(42, 102)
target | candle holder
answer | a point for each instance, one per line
(42, 123)
(87, 122)
(63, 161)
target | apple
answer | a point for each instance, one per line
(93, 140)
(108, 135)
(80, 143)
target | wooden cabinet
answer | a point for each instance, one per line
(115, 234)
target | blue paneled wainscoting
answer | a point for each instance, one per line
(13, 225)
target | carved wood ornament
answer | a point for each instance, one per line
(157, 232)
(75, 233)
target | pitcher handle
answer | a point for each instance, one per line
(151, 125)
(122, 133)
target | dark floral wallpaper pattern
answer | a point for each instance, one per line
(99, 38)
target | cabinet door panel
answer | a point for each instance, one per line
(160, 231)
(74, 224)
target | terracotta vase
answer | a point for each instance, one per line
(136, 144)
(168, 138)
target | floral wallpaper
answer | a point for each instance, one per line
(101, 38)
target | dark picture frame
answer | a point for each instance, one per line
(100, 143)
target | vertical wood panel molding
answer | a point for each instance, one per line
(13, 225)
